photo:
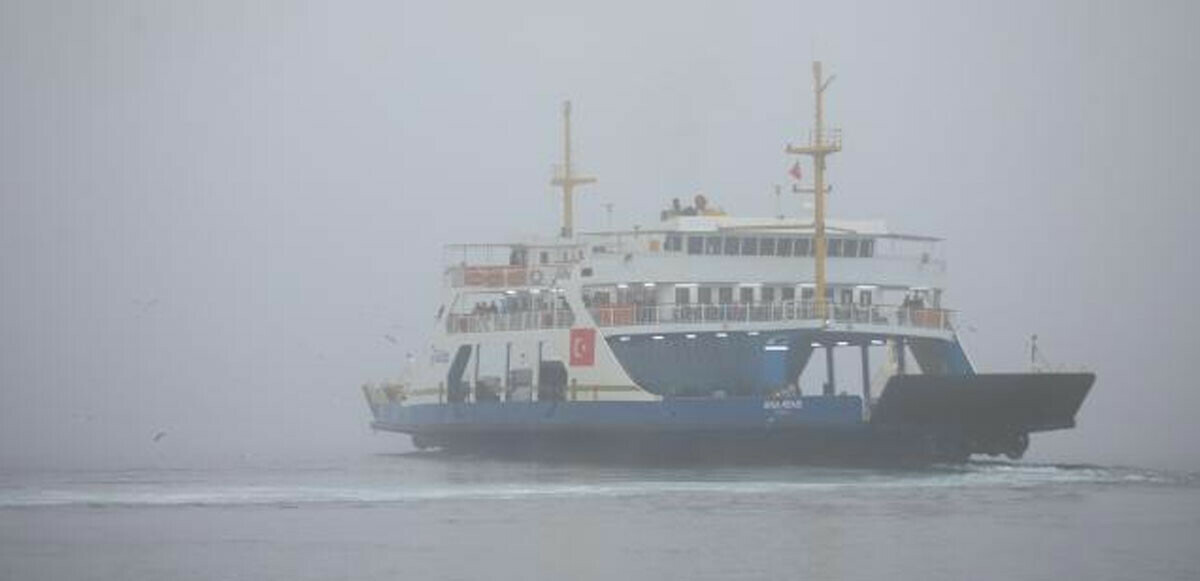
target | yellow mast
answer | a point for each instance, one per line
(566, 178)
(819, 146)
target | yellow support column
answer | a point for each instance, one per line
(566, 178)
(820, 145)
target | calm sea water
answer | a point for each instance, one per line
(434, 517)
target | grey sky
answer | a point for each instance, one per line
(211, 213)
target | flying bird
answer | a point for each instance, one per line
(158, 436)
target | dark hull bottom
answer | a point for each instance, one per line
(840, 447)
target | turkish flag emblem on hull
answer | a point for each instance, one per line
(583, 347)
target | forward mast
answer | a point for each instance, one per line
(566, 179)
(820, 144)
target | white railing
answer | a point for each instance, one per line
(829, 137)
(840, 313)
(515, 321)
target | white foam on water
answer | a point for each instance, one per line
(376, 490)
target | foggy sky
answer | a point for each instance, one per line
(211, 213)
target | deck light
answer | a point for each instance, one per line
(722, 335)
(816, 345)
(690, 335)
(656, 337)
(686, 285)
(752, 333)
(843, 343)
(648, 284)
(775, 348)
(622, 285)
(877, 341)
(623, 339)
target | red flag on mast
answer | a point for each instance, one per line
(795, 171)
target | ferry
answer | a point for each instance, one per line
(688, 341)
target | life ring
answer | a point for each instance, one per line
(536, 277)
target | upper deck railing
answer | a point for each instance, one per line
(490, 276)
(840, 313)
(507, 277)
(514, 321)
(896, 317)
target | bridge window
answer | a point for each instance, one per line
(783, 247)
(807, 293)
(674, 243)
(766, 247)
(802, 246)
(789, 293)
(850, 248)
(746, 294)
(725, 295)
(867, 248)
(705, 297)
(733, 245)
(695, 245)
(750, 247)
(864, 298)
(847, 296)
(683, 295)
(712, 245)
(768, 294)
(835, 247)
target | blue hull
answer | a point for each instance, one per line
(809, 429)
(672, 414)
(933, 418)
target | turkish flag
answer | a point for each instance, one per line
(795, 171)
(583, 347)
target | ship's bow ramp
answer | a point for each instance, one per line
(987, 408)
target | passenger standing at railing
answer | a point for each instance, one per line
(920, 316)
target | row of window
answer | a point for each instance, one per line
(724, 295)
(767, 294)
(767, 246)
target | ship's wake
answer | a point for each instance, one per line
(497, 481)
